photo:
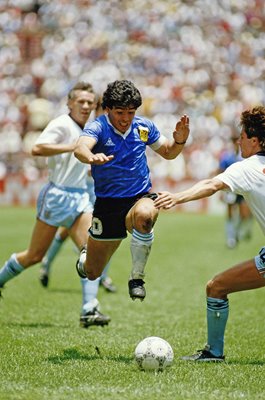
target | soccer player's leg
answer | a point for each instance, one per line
(244, 276)
(106, 232)
(55, 247)
(99, 252)
(140, 221)
(231, 222)
(246, 221)
(90, 312)
(231, 235)
(91, 264)
(41, 239)
(106, 281)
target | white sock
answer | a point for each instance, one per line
(141, 244)
(10, 270)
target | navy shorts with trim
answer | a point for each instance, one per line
(260, 262)
(108, 222)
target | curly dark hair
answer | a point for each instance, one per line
(253, 123)
(87, 87)
(121, 94)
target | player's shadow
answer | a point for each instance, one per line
(245, 362)
(93, 354)
(63, 291)
(35, 325)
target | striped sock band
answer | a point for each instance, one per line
(143, 238)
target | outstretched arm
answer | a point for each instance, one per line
(204, 188)
(84, 154)
(171, 148)
(47, 149)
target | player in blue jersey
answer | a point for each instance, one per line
(238, 216)
(247, 178)
(115, 146)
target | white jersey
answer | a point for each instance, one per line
(64, 169)
(247, 178)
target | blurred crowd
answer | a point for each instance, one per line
(204, 58)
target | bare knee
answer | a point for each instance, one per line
(92, 272)
(92, 275)
(146, 224)
(145, 219)
(209, 287)
(215, 288)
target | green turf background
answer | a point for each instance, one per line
(44, 354)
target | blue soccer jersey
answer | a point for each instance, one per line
(127, 174)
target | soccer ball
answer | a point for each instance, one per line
(153, 353)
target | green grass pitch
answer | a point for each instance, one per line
(44, 354)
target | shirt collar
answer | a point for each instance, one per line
(124, 135)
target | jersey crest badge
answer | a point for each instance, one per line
(143, 133)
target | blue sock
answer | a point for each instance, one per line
(217, 315)
(89, 292)
(230, 229)
(52, 252)
(10, 269)
(105, 271)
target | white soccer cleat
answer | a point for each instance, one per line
(80, 264)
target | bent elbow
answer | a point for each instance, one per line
(171, 157)
(76, 153)
(167, 156)
(213, 186)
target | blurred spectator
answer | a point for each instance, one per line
(239, 220)
(203, 58)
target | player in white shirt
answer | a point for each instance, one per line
(246, 178)
(64, 200)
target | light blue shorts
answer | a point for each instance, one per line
(60, 206)
(260, 262)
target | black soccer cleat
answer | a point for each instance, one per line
(80, 264)
(107, 284)
(204, 355)
(44, 278)
(95, 318)
(136, 289)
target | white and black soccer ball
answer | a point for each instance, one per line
(153, 353)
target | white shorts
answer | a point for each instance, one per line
(260, 262)
(229, 197)
(60, 206)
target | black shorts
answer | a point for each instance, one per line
(108, 222)
(239, 199)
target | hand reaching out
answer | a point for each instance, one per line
(99, 159)
(182, 130)
(165, 200)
